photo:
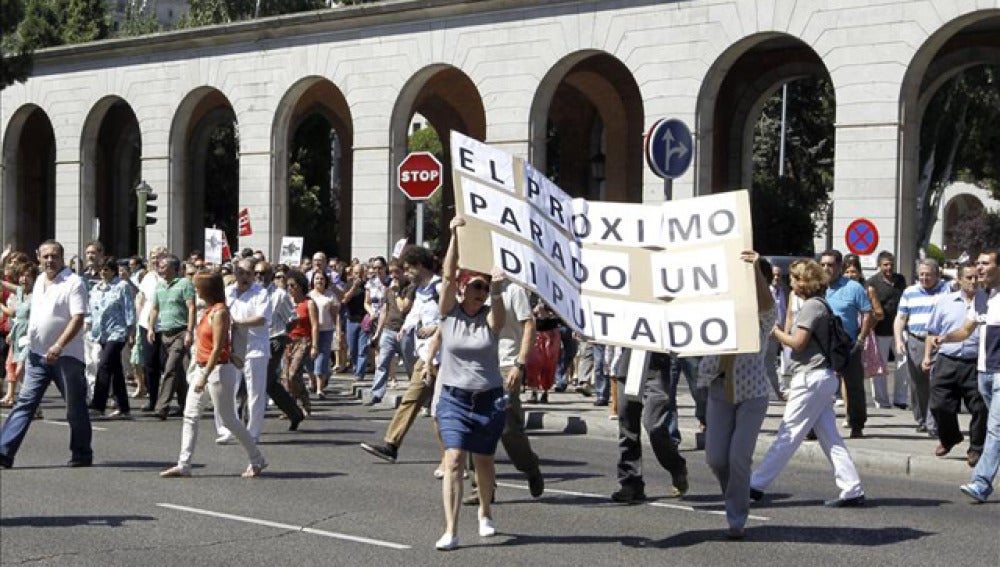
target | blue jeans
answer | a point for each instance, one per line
(388, 346)
(986, 469)
(566, 355)
(67, 373)
(689, 366)
(357, 348)
(601, 382)
(321, 365)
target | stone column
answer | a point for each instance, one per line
(255, 195)
(371, 233)
(68, 221)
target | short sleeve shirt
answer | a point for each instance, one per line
(518, 307)
(147, 287)
(812, 316)
(469, 351)
(985, 310)
(849, 300)
(172, 298)
(52, 307)
(252, 303)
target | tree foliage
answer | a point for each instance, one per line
(222, 178)
(788, 212)
(977, 232)
(15, 53)
(959, 141)
(86, 20)
(138, 21)
(314, 199)
(209, 12)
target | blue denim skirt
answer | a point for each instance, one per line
(469, 420)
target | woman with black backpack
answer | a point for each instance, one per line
(813, 385)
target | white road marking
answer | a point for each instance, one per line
(63, 423)
(281, 526)
(656, 504)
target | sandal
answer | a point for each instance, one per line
(253, 470)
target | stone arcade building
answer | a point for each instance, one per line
(94, 118)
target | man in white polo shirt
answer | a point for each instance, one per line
(58, 306)
(914, 312)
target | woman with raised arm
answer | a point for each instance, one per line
(472, 405)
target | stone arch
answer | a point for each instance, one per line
(200, 113)
(110, 162)
(965, 41)
(731, 98)
(28, 199)
(450, 101)
(589, 95)
(308, 97)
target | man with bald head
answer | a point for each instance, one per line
(58, 306)
(251, 322)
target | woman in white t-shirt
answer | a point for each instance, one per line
(328, 307)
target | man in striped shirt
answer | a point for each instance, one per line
(910, 329)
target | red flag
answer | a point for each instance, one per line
(226, 252)
(245, 228)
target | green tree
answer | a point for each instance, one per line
(314, 201)
(138, 21)
(959, 140)
(86, 20)
(977, 232)
(788, 212)
(222, 174)
(15, 53)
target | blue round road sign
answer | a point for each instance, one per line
(669, 148)
(861, 237)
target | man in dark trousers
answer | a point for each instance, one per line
(654, 413)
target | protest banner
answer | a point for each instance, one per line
(291, 250)
(661, 277)
(215, 239)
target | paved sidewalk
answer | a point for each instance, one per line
(891, 445)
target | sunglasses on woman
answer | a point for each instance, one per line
(479, 285)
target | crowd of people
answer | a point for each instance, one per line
(247, 331)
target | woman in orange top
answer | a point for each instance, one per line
(213, 369)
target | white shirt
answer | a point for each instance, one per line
(282, 311)
(518, 307)
(53, 304)
(147, 287)
(424, 313)
(251, 303)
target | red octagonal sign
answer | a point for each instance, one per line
(419, 176)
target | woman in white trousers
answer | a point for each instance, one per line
(215, 373)
(810, 393)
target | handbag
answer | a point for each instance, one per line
(871, 358)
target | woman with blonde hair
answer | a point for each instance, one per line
(213, 372)
(813, 385)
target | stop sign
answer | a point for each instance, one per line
(419, 176)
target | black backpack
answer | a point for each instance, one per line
(838, 350)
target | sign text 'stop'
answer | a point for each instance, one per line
(419, 176)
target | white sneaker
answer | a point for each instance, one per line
(487, 528)
(838, 404)
(225, 439)
(447, 542)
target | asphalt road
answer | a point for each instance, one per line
(325, 502)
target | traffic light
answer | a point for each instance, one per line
(146, 209)
(151, 208)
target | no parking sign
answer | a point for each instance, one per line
(861, 237)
